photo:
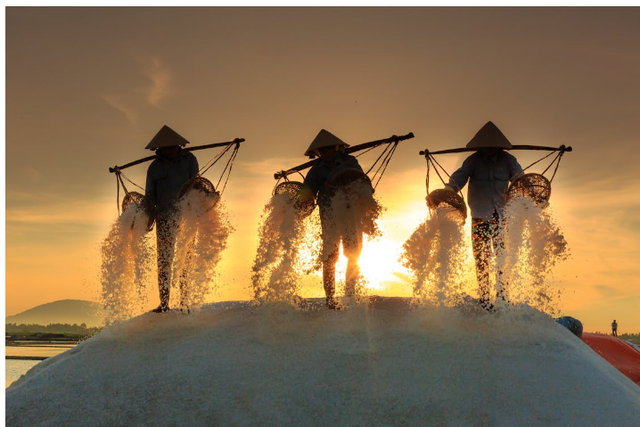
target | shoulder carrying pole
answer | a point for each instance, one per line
(197, 147)
(353, 149)
(515, 147)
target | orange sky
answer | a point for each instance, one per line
(87, 88)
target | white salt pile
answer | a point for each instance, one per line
(373, 364)
(383, 361)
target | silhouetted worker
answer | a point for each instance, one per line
(336, 226)
(488, 171)
(614, 328)
(172, 168)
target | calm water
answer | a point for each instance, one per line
(14, 369)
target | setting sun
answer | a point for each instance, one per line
(379, 263)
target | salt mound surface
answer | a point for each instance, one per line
(372, 364)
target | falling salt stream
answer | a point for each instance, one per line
(128, 255)
(291, 245)
(534, 244)
(437, 253)
(203, 230)
(276, 269)
(128, 270)
(439, 256)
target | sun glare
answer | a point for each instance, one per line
(378, 262)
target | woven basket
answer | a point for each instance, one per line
(292, 189)
(142, 202)
(199, 183)
(138, 199)
(532, 185)
(442, 197)
(202, 184)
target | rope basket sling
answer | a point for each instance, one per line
(445, 198)
(292, 190)
(532, 185)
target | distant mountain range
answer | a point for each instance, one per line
(65, 311)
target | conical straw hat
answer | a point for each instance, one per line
(489, 137)
(324, 139)
(166, 137)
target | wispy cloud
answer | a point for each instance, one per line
(157, 79)
(117, 103)
(155, 70)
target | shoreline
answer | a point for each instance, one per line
(40, 358)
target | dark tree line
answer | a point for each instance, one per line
(634, 338)
(53, 330)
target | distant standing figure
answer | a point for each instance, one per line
(167, 173)
(614, 328)
(489, 171)
(335, 228)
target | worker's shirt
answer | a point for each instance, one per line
(322, 172)
(165, 179)
(488, 178)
